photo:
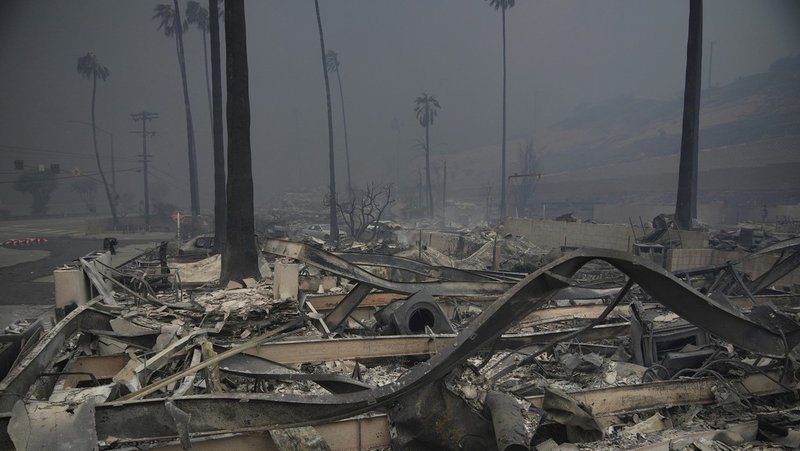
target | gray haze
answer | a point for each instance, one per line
(561, 54)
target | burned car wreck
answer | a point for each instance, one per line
(349, 351)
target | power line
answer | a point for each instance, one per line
(5, 182)
(53, 152)
(41, 150)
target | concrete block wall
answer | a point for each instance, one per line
(553, 234)
(680, 259)
(756, 266)
(444, 242)
(717, 213)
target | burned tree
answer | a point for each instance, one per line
(686, 205)
(40, 185)
(364, 210)
(502, 6)
(90, 68)
(170, 23)
(426, 107)
(334, 66)
(334, 237)
(87, 190)
(217, 128)
(240, 257)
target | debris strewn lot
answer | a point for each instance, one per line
(382, 346)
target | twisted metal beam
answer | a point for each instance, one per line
(241, 411)
(231, 412)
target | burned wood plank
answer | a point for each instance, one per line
(307, 351)
(632, 398)
(329, 301)
(323, 350)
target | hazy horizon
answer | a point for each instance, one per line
(561, 54)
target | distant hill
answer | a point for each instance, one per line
(757, 107)
(753, 122)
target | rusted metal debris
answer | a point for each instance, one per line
(222, 368)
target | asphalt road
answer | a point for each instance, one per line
(18, 280)
(22, 265)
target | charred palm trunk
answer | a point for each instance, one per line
(195, 199)
(503, 143)
(110, 198)
(333, 220)
(240, 257)
(216, 118)
(686, 205)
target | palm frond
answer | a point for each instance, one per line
(501, 4)
(89, 66)
(103, 72)
(165, 14)
(332, 61)
(196, 14)
(426, 108)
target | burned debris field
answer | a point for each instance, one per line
(359, 347)
(416, 225)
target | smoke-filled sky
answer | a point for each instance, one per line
(561, 54)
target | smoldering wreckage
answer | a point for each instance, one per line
(368, 348)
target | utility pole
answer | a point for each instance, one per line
(144, 116)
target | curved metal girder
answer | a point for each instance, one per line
(337, 265)
(241, 412)
(416, 267)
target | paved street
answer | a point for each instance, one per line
(26, 270)
(70, 226)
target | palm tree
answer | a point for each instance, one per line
(169, 17)
(503, 5)
(90, 68)
(198, 16)
(332, 59)
(686, 204)
(334, 235)
(426, 108)
(216, 128)
(240, 257)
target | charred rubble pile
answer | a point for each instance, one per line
(338, 350)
